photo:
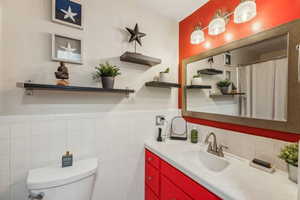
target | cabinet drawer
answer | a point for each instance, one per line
(149, 195)
(152, 178)
(171, 192)
(152, 159)
(188, 185)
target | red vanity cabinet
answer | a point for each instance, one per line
(152, 159)
(149, 195)
(170, 191)
(165, 182)
(152, 178)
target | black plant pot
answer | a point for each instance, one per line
(224, 90)
(108, 82)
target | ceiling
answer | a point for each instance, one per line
(175, 9)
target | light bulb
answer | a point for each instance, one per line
(245, 11)
(197, 36)
(217, 26)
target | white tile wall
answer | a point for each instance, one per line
(247, 146)
(4, 162)
(116, 138)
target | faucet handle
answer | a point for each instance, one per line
(220, 150)
(222, 147)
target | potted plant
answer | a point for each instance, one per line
(163, 76)
(197, 80)
(224, 86)
(290, 155)
(107, 73)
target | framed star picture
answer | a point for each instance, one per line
(67, 49)
(68, 12)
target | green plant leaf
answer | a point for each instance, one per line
(224, 83)
(107, 70)
(290, 154)
(166, 71)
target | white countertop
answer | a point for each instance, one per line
(238, 181)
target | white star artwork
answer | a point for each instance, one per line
(69, 14)
(68, 47)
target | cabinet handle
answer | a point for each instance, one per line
(149, 159)
(149, 178)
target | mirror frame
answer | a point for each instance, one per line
(292, 125)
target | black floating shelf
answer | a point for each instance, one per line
(198, 87)
(226, 95)
(210, 71)
(162, 84)
(34, 86)
(139, 59)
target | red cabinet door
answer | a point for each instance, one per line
(152, 159)
(150, 195)
(165, 182)
(152, 178)
(171, 192)
(186, 184)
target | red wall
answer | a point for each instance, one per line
(271, 13)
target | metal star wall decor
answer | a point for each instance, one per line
(136, 35)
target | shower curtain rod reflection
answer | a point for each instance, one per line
(263, 60)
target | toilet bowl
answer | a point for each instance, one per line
(56, 183)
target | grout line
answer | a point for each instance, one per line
(10, 164)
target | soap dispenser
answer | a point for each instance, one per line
(67, 160)
(194, 135)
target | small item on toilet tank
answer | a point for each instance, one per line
(67, 160)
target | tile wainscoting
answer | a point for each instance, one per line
(116, 138)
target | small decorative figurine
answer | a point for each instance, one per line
(62, 74)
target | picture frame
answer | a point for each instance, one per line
(68, 12)
(67, 49)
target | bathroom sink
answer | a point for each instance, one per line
(207, 160)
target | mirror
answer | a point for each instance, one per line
(178, 129)
(251, 81)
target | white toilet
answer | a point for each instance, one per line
(56, 183)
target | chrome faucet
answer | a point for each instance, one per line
(213, 146)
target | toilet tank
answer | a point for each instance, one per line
(56, 183)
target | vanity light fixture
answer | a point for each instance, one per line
(197, 35)
(245, 11)
(218, 24)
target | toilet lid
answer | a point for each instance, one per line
(54, 176)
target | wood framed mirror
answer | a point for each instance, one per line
(262, 79)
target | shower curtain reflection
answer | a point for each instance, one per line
(265, 85)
